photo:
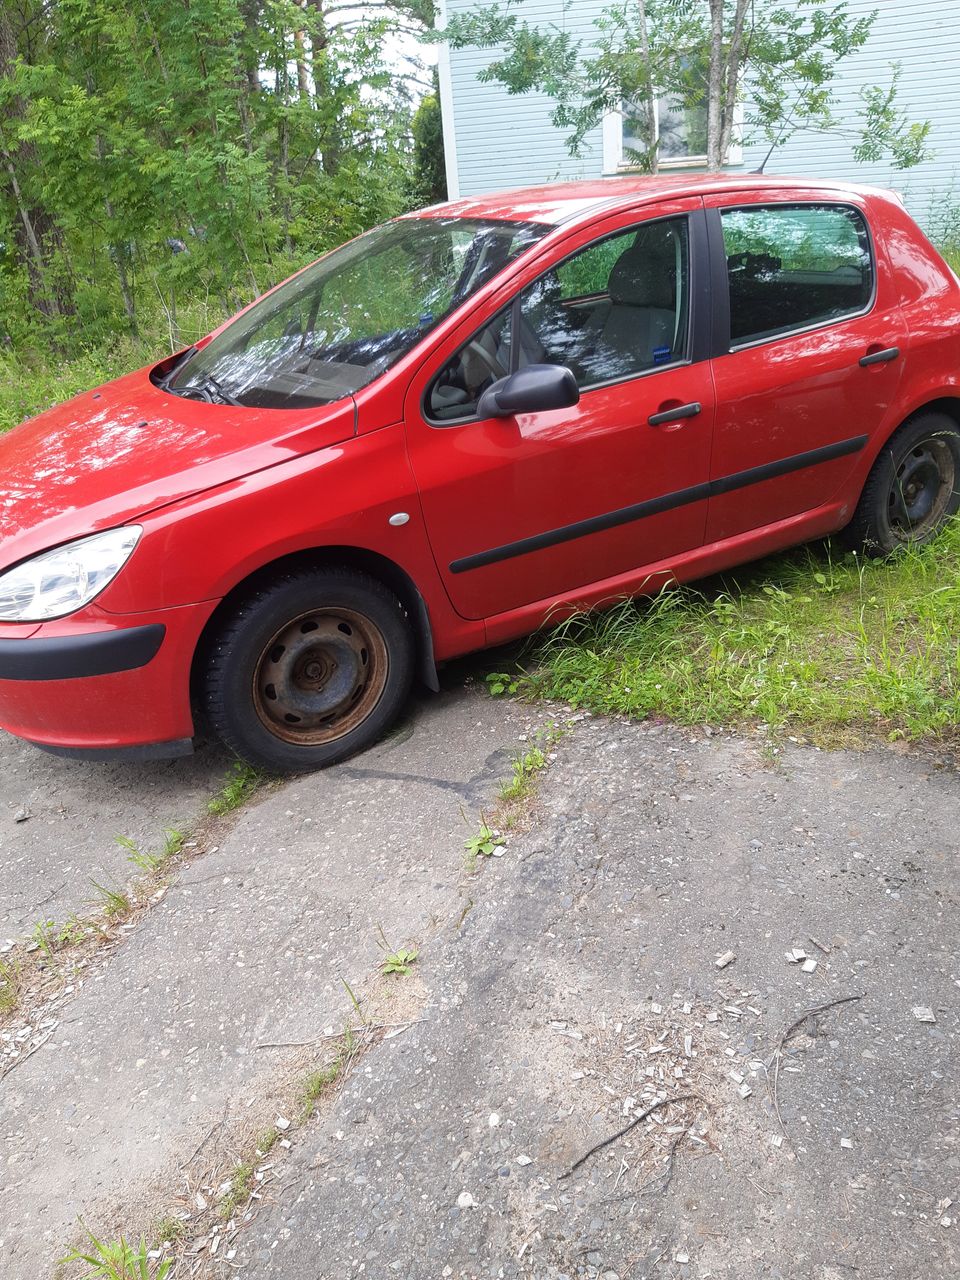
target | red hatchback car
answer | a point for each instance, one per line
(439, 434)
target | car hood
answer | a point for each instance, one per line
(113, 454)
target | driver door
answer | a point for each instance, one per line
(533, 507)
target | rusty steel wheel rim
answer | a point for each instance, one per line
(922, 489)
(320, 676)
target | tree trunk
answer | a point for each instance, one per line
(715, 89)
(650, 101)
(734, 60)
(37, 225)
(330, 140)
(303, 80)
(250, 12)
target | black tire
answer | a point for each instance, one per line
(309, 670)
(912, 490)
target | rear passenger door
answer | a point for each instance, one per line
(810, 343)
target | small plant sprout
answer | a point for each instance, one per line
(11, 980)
(44, 937)
(115, 903)
(240, 784)
(396, 959)
(149, 863)
(499, 683)
(118, 1260)
(485, 842)
(354, 1001)
(71, 932)
(241, 1184)
(399, 961)
(173, 843)
(168, 1230)
(525, 769)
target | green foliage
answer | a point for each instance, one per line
(524, 770)
(238, 787)
(399, 961)
(647, 54)
(832, 648)
(396, 959)
(118, 1260)
(888, 130)
(113, 902)
(486, 842)
(500, 682)
(11, 981)
(165, 156)
(429, 170)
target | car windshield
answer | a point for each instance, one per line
(345, 320)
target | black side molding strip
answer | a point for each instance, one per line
(99, 653)
(666, 502)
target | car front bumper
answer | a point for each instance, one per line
(97, 684)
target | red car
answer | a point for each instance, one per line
(436, 435)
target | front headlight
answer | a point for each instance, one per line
(59, 582)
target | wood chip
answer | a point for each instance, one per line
(728, 957)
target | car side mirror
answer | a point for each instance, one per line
(530, 390)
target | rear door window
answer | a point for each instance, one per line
(792, 267)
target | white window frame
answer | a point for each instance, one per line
(614, 161)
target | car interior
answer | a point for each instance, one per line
(631, 319)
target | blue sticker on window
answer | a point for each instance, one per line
(661, 355)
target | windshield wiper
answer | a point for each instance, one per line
(210, 383)
(206, 388)
(176, 366)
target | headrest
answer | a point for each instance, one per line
(645, 275)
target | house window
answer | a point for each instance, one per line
(681, 133)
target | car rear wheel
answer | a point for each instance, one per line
(912, 490)
(309, 670)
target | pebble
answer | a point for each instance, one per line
(466, 1201)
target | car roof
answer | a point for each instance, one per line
(567, 201)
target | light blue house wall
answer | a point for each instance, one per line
(496, 141)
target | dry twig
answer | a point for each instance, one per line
(663, 1102)
(793, 1028)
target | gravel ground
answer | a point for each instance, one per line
(562, 991)
(59, 822)
(592, 946)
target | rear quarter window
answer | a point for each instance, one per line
(791, 267)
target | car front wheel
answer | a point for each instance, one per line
(913, 488)
(309, 670)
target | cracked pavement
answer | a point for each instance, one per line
(653, 850)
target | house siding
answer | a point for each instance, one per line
(504, 140)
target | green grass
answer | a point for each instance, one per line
(238, 787)
(831, 646)
(33, 380)
(117, 1260)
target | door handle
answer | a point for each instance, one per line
(674, 415)
(879, 357)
